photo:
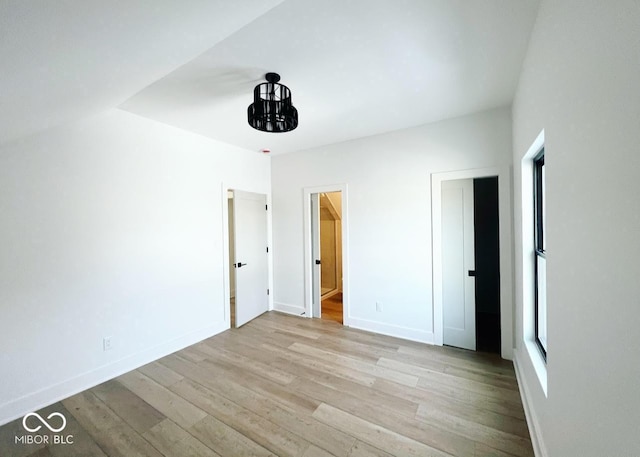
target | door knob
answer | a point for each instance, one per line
(239, 264)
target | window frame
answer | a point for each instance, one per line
(538, 242)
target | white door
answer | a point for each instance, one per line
(315, 254)
(458, 264)
(250, 262)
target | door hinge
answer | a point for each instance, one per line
(266, 207)
(267, 291)
(267, 248)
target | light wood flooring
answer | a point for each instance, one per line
(332, 308)
(288, 386)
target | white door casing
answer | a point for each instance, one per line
(309, 260)
(251, 261)
(458, 259)
(506, 250)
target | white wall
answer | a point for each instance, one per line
(580, 83)
(109, 227)
(389, 214)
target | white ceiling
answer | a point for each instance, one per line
(355, 67)
(67, 59)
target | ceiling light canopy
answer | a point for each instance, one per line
(272, 110)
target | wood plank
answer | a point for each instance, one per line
(493, 379)
(376, 436)
(160, 374)
(136, 412)
(346, 346)
(467, 392)
(427, 377)
(371, 339)
(114, 436)
(269, 435)
(192, 355)
(257, 367)
(254, 335)
(461, 368)
(292, 330)
(361, 449)
(508, 424)
(382, 399)
(459, 358)
(42, 452)
(482, 450)
(490, 436)
(83, 443)
(226, 441)
(278, 393)
(438, 438)
(297, 420)
(171, 405)
(315, 451)
(347, 362)
(441, 393)
(311, 363)
(9, 431)
(172, 440)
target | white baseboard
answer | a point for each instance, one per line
(289, 309)
(397, 331)
(532, 419)
(18, 407)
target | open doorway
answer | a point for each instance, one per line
(326, 249)
(331, 256)
(487, 258)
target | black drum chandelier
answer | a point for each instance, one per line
(272, 110)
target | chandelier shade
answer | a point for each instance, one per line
(272, 110)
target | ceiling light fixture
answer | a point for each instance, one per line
(271, 110)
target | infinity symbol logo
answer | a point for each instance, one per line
(44, 422)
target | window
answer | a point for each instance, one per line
(540, 250)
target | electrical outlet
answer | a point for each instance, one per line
(378, 306)
(106, 343)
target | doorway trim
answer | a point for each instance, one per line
(506, 251)
(308, 257)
